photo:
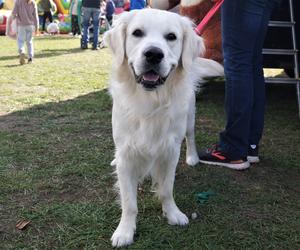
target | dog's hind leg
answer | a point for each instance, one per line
(128, 191)
(163, 176)
(191, 151)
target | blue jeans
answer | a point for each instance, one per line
(244, 26)
(89, 13)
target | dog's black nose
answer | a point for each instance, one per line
(153, 55)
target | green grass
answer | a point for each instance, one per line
(56, 146)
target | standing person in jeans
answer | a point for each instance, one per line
(90, 9)
(244, 26)
(25, 11)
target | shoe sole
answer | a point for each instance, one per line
(22, 59)
(253, 159)
(236, 166)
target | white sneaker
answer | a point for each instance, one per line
(253, 154)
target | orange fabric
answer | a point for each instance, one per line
(201, 26)
(212, 33)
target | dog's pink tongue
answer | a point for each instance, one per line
(150, 76)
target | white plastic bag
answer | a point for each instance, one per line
(11, 27)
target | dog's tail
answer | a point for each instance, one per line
(205, 69)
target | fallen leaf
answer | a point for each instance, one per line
(21, 224)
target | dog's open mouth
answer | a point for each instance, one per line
(150, 79)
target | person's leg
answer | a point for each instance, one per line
(86, 20)
(73, 25)
(29, 41)
(77, 30)
(47, 15)
(21, 36)
(239, 47)
(50, 17)
(44, 20)
(241, 26)
(258, 109)
(96, 19)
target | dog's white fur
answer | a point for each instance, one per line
(149, 126)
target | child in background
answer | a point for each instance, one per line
(25, 11)
(75, 12)
(49, 8)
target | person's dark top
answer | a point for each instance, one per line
(91, 3)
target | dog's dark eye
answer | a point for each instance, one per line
(138, 33)
(171, 37)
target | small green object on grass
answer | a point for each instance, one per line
(203, 197)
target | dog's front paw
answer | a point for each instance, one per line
(122, 237)
(176, 217)
(192, 160)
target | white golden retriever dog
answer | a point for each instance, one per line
(155, 70)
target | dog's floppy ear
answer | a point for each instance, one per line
(193, 45)
(115, 38)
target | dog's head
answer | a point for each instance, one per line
(153, 43)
